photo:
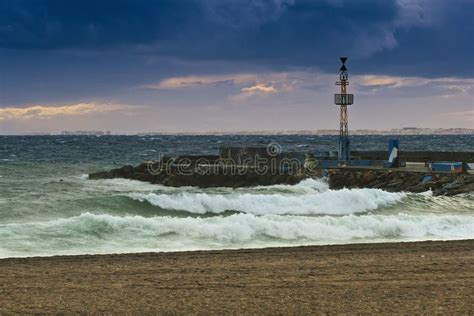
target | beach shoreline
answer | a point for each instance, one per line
(423, 277)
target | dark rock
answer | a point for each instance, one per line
(395, 181)
(100, 175)
(238, 176)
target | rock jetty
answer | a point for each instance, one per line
(213, 176)
(401, 180)
(392, 180)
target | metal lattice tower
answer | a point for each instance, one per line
(343, 99)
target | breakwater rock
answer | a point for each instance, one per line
(210, 176)
(244, 176)
(400, 180)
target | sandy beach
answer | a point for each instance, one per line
(421, 277)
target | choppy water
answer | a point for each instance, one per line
(49, 207)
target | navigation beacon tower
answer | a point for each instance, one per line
(343, 99)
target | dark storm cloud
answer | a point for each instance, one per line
(395, 33)
(193, 28)
(57, 24)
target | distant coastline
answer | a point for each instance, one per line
(321, 132)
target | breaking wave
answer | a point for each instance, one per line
(123, 216)
(104, 233)
(310, 197)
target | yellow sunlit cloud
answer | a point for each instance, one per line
(259, 87)
(400, 82)
(49, 111)
(191, 81)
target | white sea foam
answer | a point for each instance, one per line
(122, 185)
(84, 176)
(427, 193)
(103, 233)
(310, 197)
(304, 186)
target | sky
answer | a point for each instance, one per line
(136, 66)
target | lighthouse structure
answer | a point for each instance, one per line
(343, 99)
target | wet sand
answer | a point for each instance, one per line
(422, 277)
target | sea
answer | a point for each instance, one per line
(49, 207)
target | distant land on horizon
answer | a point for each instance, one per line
(396, 131)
